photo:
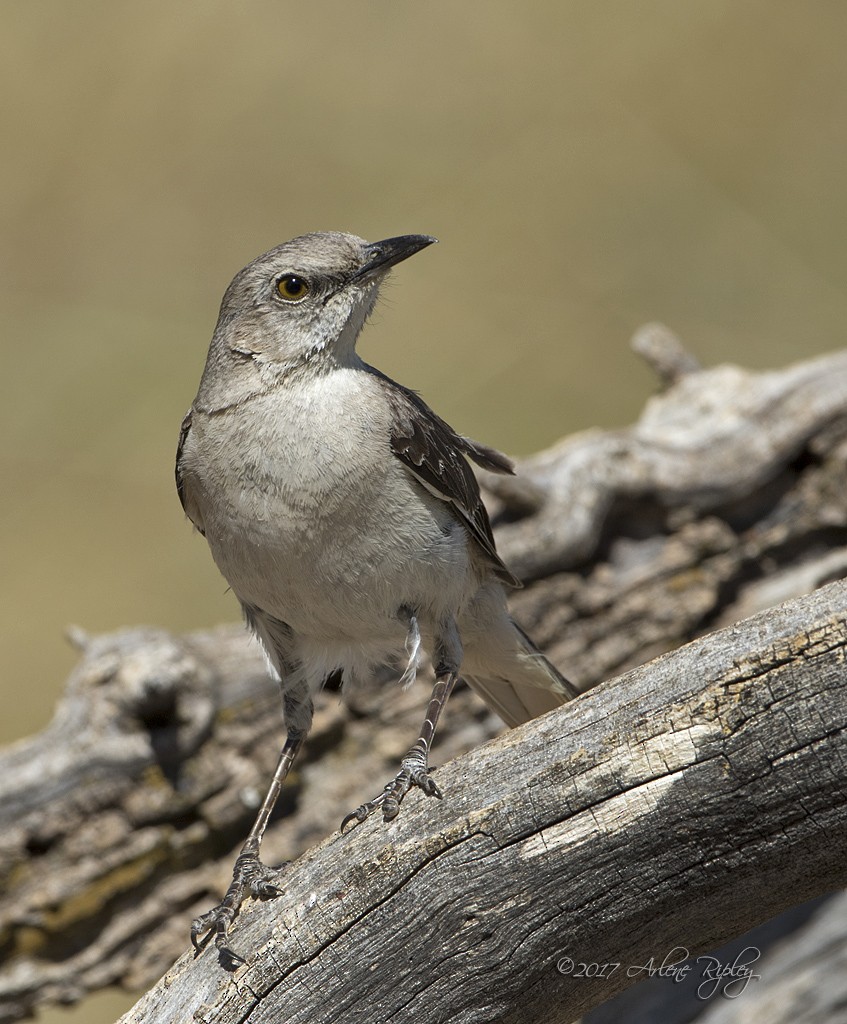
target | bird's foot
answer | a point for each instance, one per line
(414, 771)
(250, 877)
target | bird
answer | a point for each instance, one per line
(346, 518)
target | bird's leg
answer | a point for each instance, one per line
(250, 877)
(414, 768)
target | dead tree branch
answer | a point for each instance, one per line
(727, 497)
(677, 805)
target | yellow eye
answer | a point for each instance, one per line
(292, 288)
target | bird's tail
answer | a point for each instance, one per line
(524, 687)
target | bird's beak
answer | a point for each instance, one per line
(379, 256)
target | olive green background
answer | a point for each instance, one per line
(587, 166)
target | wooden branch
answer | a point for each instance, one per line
(118, 823)
(726, 498)
(711, 439)
(677, 805)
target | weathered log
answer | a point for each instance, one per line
(119, 820)
(118, 823)
(727, 497)
(678, 804)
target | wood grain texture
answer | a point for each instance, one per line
(680, 803)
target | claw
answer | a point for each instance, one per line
(410, 774)
(249, 877)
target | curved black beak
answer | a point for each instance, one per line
(384, 254)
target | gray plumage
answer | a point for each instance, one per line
(340, 508)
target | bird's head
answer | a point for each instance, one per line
(308, 298)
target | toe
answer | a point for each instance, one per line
(428, 784)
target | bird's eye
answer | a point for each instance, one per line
(293, 288)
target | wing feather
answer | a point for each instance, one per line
(435, 455)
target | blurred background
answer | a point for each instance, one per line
(586, 166)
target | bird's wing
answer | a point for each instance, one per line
(435, 455)
(181, 487)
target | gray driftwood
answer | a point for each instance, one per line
(642, 803)
(677, 805)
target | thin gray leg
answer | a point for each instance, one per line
(414, 768)
(250, 877)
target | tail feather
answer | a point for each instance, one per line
(527, 688)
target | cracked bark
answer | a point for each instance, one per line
(709, 781)
(679, 804)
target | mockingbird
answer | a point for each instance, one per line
(345, 517)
